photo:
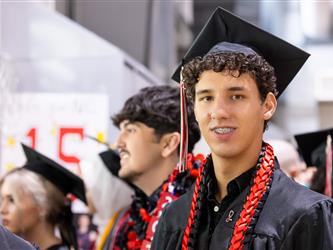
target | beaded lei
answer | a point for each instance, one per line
(137, 231)
(260, 185)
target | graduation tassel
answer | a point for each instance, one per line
(328, 185)
(183, 126)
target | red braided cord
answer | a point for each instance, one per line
(192, 211)
(257, 191)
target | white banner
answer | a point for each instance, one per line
(55, 125)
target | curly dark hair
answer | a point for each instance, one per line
(262, 72)
(158, 107)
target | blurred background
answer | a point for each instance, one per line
(67, 65)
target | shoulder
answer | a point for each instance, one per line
(172, 223)
(292, 194)
(175, 215)
(108, 232)
(10, 241)
(311, 227)
(58, 247)
(289, 204)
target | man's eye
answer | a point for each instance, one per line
(130, 130)
(206, 98)
(236, 97)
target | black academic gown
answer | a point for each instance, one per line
(9, 241)
(58, 247)
(293, 217)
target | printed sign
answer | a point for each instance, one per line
(54, 124)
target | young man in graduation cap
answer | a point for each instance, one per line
(241, 199)
(316, 149)
(35, 202)
(148, 143)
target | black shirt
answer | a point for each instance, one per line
(234, 188)
(58, 247)
(213, 210)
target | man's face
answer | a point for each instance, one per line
(18, 209)
(139, 150)
(229, 112)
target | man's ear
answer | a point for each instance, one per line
(169, 144)
(270, 105)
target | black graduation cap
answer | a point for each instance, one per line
(312, 146)
(111, 160)
(62, 178)
(241, 36)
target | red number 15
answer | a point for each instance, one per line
(32, 134)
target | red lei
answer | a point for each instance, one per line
(166, 196)
(259, 188)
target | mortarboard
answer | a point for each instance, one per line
(111, 160)
(310, 144)
(62, 178)
(316, 149)
(225, 32)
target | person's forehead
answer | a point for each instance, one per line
(6, 187)
(139, 125)
(11, 187)
(12, 182)
(231, 81)
(127, 122)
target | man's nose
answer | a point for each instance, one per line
(120, 140)
(219, 110)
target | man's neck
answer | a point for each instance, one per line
(227, 169)
(153, 179)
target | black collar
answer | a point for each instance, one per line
(234, 187)
(141, 200)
